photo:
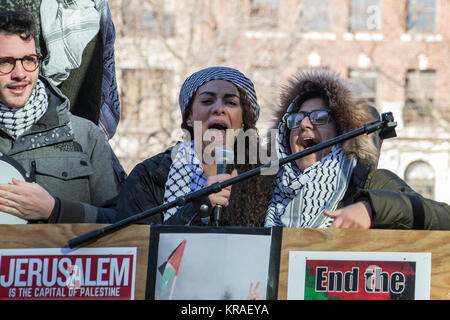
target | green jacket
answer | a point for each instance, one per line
(394, 204)
(68, 156)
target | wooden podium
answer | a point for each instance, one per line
(57, 235)
(436, 242)
(322, 240)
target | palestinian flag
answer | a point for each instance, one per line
(171, 266)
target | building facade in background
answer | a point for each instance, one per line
(396, 53)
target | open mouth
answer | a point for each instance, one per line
(221, 129)
(308, 142)
(218, 126)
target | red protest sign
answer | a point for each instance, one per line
(362, 280)
(95, 273)
(326, 275)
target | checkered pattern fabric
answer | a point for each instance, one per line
(193, 82)
(17, 121)
(299, 198)
(186, 175)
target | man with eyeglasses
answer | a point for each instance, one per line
(67, 161)
(340, 186)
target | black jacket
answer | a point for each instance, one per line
(144, 189)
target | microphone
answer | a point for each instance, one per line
(224, 155)
(386, 125)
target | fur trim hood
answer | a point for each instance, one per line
(350, 112)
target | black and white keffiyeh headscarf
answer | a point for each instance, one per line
(17, 121)
(186, 175)
(197, 79)
(299, 198)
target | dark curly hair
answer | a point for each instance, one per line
(249, 199)
(19, 23)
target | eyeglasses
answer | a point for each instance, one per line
(30, 63)
(318, 117)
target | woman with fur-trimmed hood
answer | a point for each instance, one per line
(339, 186)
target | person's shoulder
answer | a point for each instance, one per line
(380, 173)
(84, 126)
(159, 163)
(385, 179)
(153, 170)
(162, 159)
(83, 122)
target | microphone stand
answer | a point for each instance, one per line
(386, 125)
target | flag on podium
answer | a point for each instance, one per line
(171, 267)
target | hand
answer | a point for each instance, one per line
(222, 197)
(26, 200)
(356, 215)
(253, 293)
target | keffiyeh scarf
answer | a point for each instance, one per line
(299, 198)
(16, 121)
(186, 175)
(67, 27)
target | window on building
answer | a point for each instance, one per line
(366, 82)
(139, 22)
(144, 92)
(420, 90)
(157, 24)
(365, 15)
(420, 176)
(264, 14)
(266, 79)
(314, 15)
(421, 16)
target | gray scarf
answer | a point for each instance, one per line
(17, 121)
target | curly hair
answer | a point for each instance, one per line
(249, 198)
(19, 23)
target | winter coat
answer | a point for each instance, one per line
(69, 157)
(394, 204)
(145, 186)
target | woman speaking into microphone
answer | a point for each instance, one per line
(217, 104)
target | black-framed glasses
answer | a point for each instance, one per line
(317, 117)
(30, 63)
